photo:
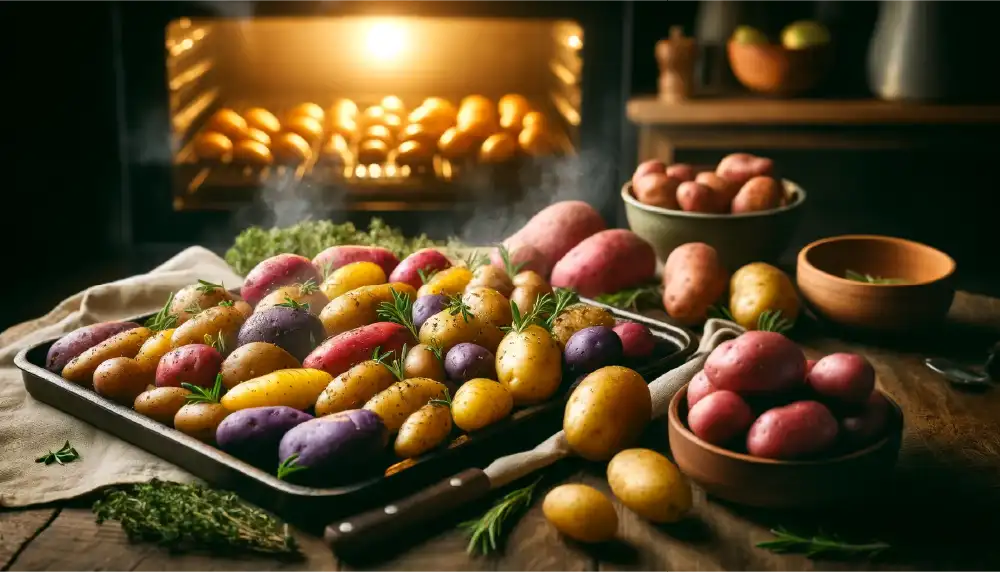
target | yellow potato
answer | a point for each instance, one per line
(124, 344)
(295, 388)
(492, 277)
(607, 412)
(580, 512)
(578, 317)
(121, 380)
(446, 330)
(191, 300)
(153, 349)
(649, 484)
(530, 278)
(404, 398)
(528, 287)
(200, 420)
(479, 403)
(421, 361)
(757, 288)
(449, 281)
(307, 293)
(243, 308)
(253, 360)
(161, 403)
(488, 305)
(427, 428)
(224, 320)
(351, 276)
(529, 363)
(359, 307)
(353, 388)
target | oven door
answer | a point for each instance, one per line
(163, 114)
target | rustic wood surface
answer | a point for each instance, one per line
(939, 513)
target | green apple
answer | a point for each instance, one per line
(804, 34)
(748, 35)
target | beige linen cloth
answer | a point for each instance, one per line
(29, 428)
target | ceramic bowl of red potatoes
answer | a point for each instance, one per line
(740, 207)
(762, 426)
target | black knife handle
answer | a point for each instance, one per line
(367, 530)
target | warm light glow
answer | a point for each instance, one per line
(386, 40)
(574, 42)
(375, 171)
(359, 172)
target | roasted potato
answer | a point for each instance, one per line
(123, 344)
(355, 387)
(513, 108)
(252, 153)
(469, 361)
(212, 146)
(607, 412)
(275, 272)
(80, 340)
(488, 305)
(307, 294)
(493, 278)
(153, 349)
(427, 428)
(339, 353)
(336, 448)
(291, 149)
(228, 123)
(373, 152)
(309, 128)
(307, 110)
(345, 127)
(343, 108)
(529, 286)
(536, 141)
(253, 435)
(381, 133)
(262, 119)
(121, 380)
(578, 317)
(254, 360)
(258, 136)
(161, 403)
(498, 148)
(529, 363)
(224, 321)
(456, 144)
(359, 307)
(351, 276)
(425, 260)
(403, 399)
(372, 115)
(423, 361)
(592, 348)
(193, 299)
(449, 281)
(414, 154)
(296, 388)
(479, 403)
(200, 420)
(426, 306)
(580, 512)
(421, 134)
(291, 328)
(446, 330)
(197, 364)
(637, 340)
(393, 104)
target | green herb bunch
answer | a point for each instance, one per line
(486, 532)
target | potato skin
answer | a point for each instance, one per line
(121, 380)
(426, 259)
(275, 272)
(402, 399)
(698, 388)
(741, 167)
(334, 447)
(448, 282)
(637, 340)
(657, 190)
(759, 287)
(421, 361)
(608, 261)
(200, 420)
(592, 348)
(196, 364)
(493, 278)
(253, 435)
(445, 331)
(154, 348)
(426, 306)
(758, 194)
(213, 321)
(123, 344)
(488, 305)
(578, 317)
(479, 403)
(720, 417)
(80, 340)
(648, 167)
(869, 424)
(649, 484)
(556, 229)
(161, 403)
(469, 361)
(756, 362)
(843, 378)
(294, 330)
(316, 299)
(196, 296)
(526, 296)
(723, 190)
(359, 307)
(339, 353)
(580, 512)
(296, 388)
(681, 171)
(693, 279)
(427, 428)
(801, 429)
(529, 363)
(693, 196)
(254, 360)
(337, 257)
(607, 412)
(353, 388)
(351, 276)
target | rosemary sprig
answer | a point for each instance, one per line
(474, 260)
(813, 547)
(67, 454)
(204, 395)
(308, 287)
(634, 299)
(485, 532)
(325, 270)
(520, 322)
(721, 312)
(193, 517)
(511, 269)
(443, 402)
(227, 303)
(290, 466)
(426, 275)
(380, 357)
(217, 341)
(399, 311)
(207, 287)
(395, 366)
(458, 306)
(436, 350)
(163, 320)
(869, 279)
(194, 308)
(293, 304)
(771, 321)
(564, 298)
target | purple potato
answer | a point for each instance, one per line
(254, 434)
(591, 349)
(469, 361)
(294, 330)
(336, 446)
(80, 340)
(426, 306)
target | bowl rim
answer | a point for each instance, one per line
(675, 422)
(803, 260)
(792, 186)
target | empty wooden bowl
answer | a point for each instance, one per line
(768, 483)
(772, 69)
(912, 286)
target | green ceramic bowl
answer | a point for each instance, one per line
(739, 238)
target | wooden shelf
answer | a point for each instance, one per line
(805, 112)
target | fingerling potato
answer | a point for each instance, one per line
(154, 348)
(80, 340)
(449, 281)
(192, 299)
(276, 272)
(197, 364)
(200, 420)
(353, 388)
(336, 257)
(307, 294)
(426, 429)
(296, 388)
(161, 403)
(339, 353)
(489, 276)
(352, 276)
(359, 307)
(488, 305)
(479, 403)
(123, 344)
(426, 260)
(403, 398)
(121, 380)
(253, 360)
(215, 321)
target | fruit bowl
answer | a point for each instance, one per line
(772, 69)
(768, 483)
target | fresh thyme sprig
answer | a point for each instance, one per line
(486, 533)
(217, 341)
(399, 311)
(869, 279)
(308, 287)
(293, 304)
(326, 269)
(458, 306)
(204, 395)
(634, 299)
(67, 454)
(227, 303)
(816, 546)
(396, 366)
(207, 287)
(290, 466)
(194, 308)
(474, 260)
(163, 320)
(193, 517)
(511, 269)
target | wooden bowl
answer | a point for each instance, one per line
(921, 302)
(772, 69)
(738, 238)
(768, 483)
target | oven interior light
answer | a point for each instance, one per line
(386, 40)
(574, 42)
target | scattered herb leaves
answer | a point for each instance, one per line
(67, 454)
(396, 366)
(444, 401)
(821, 545)
(436, 350)
(163, 320)
(325, 269)
(474, 260)
(511, 269)
(290, 466)
(204, 395)
(293, 304)
(535, 317)
(207, 287)
(308, 287)
(399, 311)
(564, 298)
(869, 279)
(194, 308)
(635, 299)
(720, 312)
(458, 306)
(227, 303)
(217, 341)
(487, 532)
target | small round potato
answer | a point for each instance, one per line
(262, 119)
(580, 512)
(649, 484)
(426, 429)
(449, 281)
(720, 417)
(479, 403)
(456, 144)
(291, 149)
(657, 190)
(193, 299)
(488, 305)
(212, 146)
(607, 412)
(254, 360)
(121, 380)
(758, 194)
(153, 349)
(252, 153)
(498, 148)
(307, 293)
(309, 128)
(421, 361)
(578, 317)
(468, 361)
(227, 122)
(161, 403)
(489, 276)
(529, 363)
(414, 153)
(200, 420)
(351, 276)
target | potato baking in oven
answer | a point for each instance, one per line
(534, 119)
(536, 141)
(257, 135)
(498, 148)
(250, 152)
(309, 128)
(260, 118)
(343, 109)
(372, 151)
(512, 107)
(381, 133)
(455, 144)
(414, 154)
(307, 110)
(212, 146)
(346, 127)
(419, 133)
(394, 105)
(291, 149)
(373, 115)
(227, 122)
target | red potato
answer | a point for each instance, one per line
(723, 191)
(427, 260)
(531, 258)
(275, 272)
(720, 417)
(647, 167)
(336, 256)
(756, 362)
(608, 261)
(693, 279)
(556, 229)
(809, 365)
(801, 429)
(637, 340)
(699, 388)
(696, 197)
(758, 194)
(657, 190)
(843, 377)
(681, 171)
(869, 424)
(739, 168)
(196, 364)
(343, 351)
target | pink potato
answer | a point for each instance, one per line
(868, 424)
(529, 256)
(336, 256)
(197, 364)
(343, 351)
(699, 388)
(843, 377)
(801, 429)
(637, 340)
(756, 362)
(693, 279)
(696, 197)
(427, 260)
(723, 191)
(720, 417)
(657, 190)
(809, 365)
(608, 261)
(681, 171)
(758, 194)
(739, 168)
(647, 167)
(275, 272)
(556, 229)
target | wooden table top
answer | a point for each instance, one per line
(939, 513)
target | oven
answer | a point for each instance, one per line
(438, 117)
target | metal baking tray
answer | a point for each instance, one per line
(312, 506)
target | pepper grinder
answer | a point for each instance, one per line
(676, 57)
